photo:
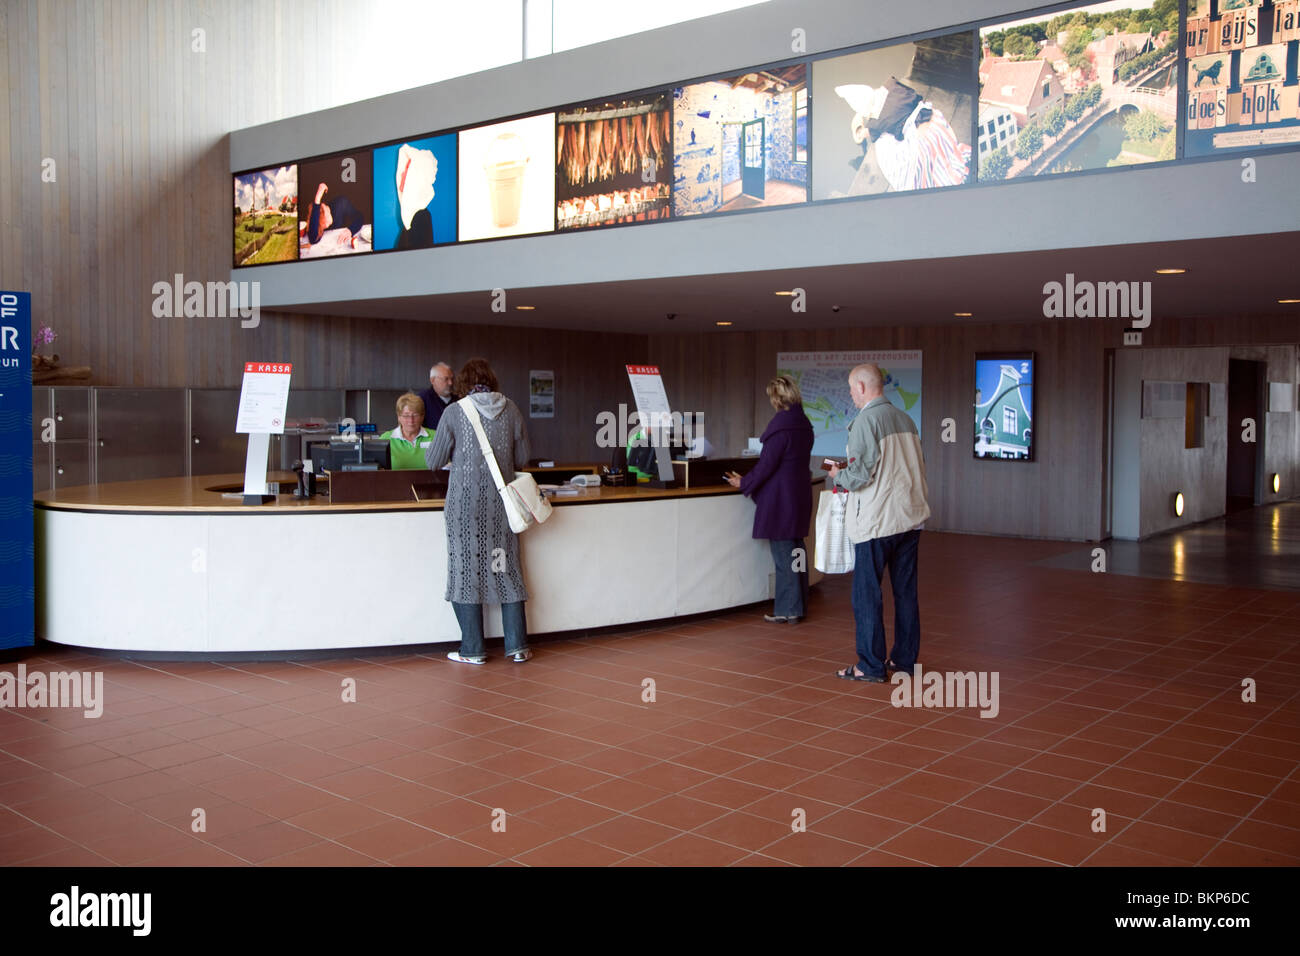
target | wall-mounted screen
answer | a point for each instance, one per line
(266, 216)
(415, 193)
(1085, 88)
(1004, 405)
(894, 118)
(335, 215)
(506, 182)
(1242, 88)
(741, 142)
(613, 162)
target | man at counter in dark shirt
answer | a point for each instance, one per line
(438, 395)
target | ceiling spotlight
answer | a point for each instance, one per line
(525, 308)
(786, 292)
(721, 322)
(1287, 301)
(963, 315)
(1170, 272)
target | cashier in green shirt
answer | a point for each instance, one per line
(410, 438)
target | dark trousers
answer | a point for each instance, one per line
(470, 619)
(791, 585)
(898, 553)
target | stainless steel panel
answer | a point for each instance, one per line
(71, 464)
(215, 448)
(140, 433)
(40, 467)
(71, 412)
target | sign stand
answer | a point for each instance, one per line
(654, 413)
(262, 403)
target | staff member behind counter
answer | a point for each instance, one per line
(409, 439)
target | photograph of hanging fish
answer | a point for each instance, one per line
(613, 162)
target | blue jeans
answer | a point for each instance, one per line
(470, 619)
(791, 586)
(870, 558)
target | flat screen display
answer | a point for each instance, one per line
(335, 214)
(1004, 406)
(415, 193)
(613, 162)
(506, 181)
(894, 119)
(1084, 88)
(266, 216)
(741, 141)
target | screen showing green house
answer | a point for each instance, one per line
(1004, 406)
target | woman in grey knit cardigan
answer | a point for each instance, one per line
(482, 552)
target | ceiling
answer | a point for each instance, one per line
(1225, 278)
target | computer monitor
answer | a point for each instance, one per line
(365, 455)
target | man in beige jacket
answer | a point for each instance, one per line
(885, 476)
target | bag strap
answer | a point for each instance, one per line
(471, 412)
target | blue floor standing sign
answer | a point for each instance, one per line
(17, 591)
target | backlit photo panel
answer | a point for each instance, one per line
(415, 193)
(266, 216)
(335, 211)
(507, 178)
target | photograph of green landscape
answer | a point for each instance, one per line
(266, 216)
(1086, 88)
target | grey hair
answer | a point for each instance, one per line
(437, 365)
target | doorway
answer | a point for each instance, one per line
(731, 162)
(1245, 400)
(752, 167)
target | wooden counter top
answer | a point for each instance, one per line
(197, 495)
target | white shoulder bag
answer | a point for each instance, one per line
(524, 503)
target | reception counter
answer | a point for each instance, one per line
(182, 565)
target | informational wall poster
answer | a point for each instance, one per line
(17, 582)
(1082, 88)
(823, 378)
(541, 394)
(264, 398)
(1004, 406)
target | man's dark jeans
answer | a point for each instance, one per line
(897, 552)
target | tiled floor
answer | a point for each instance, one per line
(1117, 693)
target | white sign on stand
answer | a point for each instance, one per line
(263, 400)
(653, 412)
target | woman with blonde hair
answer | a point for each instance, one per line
(782, 493)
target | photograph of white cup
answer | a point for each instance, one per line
(504, 166)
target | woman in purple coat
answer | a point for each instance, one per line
(782, 493)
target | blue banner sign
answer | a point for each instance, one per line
(17, 591)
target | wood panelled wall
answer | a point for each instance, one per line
(1059, 495)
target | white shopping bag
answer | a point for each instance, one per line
(834, 549)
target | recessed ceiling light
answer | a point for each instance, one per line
(1287, 301)
(963, 315)
(721, 323)
(525, 308)
(787, 292)
(1170, 272)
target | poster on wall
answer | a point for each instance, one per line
(506, 186)
(415, 193)
(823, 379)
(335, 211)
(541, 394)
(895, 118)
(1242, 88)
(1004, 406)
(1083, 88)
(613, 162)
(741, 142)
(266, 216)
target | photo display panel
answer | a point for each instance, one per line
(1242, 88)
(505, 178)
(894, 118)
(336, 209)
(415, 193)
(614, 161)
(1084, 88)
(1004, 406)
(266, 216)
(741, 142)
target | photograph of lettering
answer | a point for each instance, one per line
(1086, 88)
(1004, 406)
(893, 119)
(266, 216)
(1242, 89)
(741, 142)
(415, 193)
(506, 186)
(334, 217)
(613, 160)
